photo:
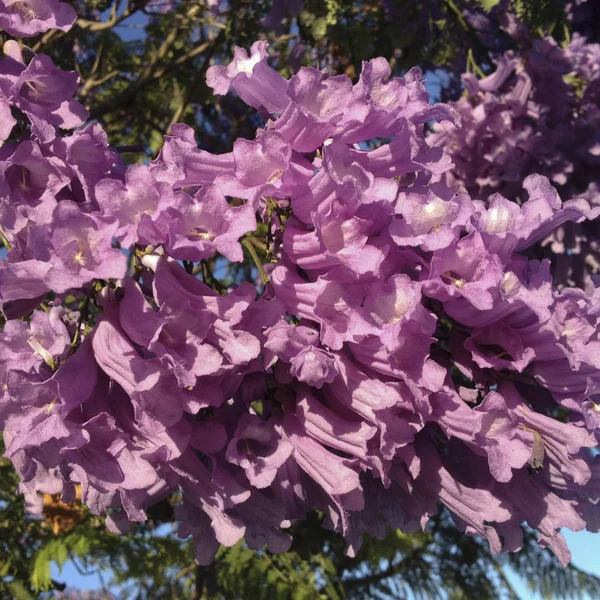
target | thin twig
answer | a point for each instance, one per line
(82, 317)
(199, 588)
(95, 82)
(112, 21)
(5, 242)
(252, 250)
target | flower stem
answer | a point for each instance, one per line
(252, 250)
(5, 242)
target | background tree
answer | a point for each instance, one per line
(137, 86)
(143, 62)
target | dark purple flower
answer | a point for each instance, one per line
(257, 447)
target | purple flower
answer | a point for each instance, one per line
(380, 103)
(332, 473)
(27, 18)
(324, 425)
(430, 221)
(181, 163)
(207, 223)
(499, 347)
(90, 157)
(257, 447)
(140, 206)
(180, 344)
(299, 347)
(82, 245)
(29, 346)
(280, 9)
(313, 366)
(465, 270)
(23, 280)
(31, 182)
(254, 81)
(391, 306)
(44, 93)
(7, 121)
(317, 104)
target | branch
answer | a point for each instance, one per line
(130, 93)
(112, 21)
(81, 570)
(5, 242)
(199, 586)
(185, 571)
(57, 585)
(95, 82)
(246, 242)
(457, 12)
(161, 52)
(46, 38)
(97, 59)
(87, 24)
(362, 582)
(208, 277)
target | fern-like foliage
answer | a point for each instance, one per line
(544, 576)
(541, 16)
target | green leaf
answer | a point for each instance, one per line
(18, 591)
(319, 27)
(57, 550)
(5, 567)
(487, 5)
(542, 16)
(40, 573)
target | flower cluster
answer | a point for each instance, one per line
(538, 113)
(398, 352)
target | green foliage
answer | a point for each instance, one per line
(20, 538)
(241, 572)
(546, 17)
(58, 550)
(487, 5)
(99, 4)
(544, 576)
(18, 591)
